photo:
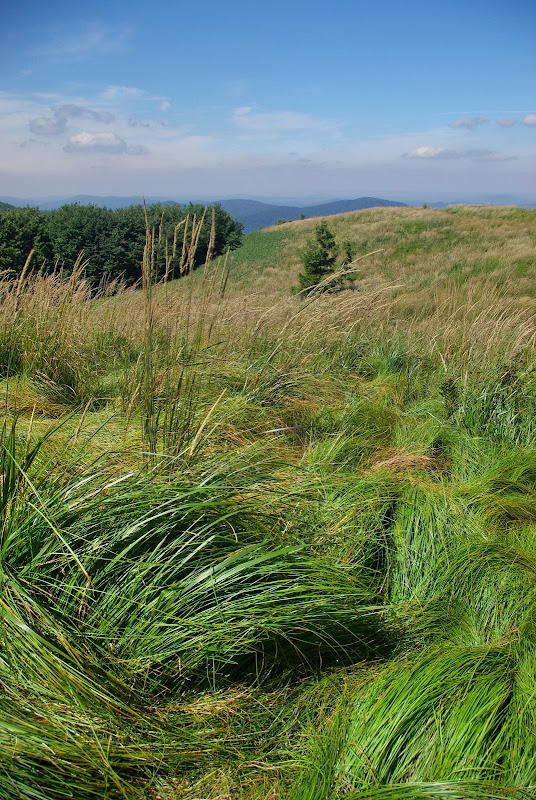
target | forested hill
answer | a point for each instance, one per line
(254, 215)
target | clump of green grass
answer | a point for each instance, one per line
(436, 724)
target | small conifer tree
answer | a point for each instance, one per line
(349, 251)
(318, 258)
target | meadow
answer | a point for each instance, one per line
(254, 546)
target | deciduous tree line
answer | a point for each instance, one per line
(112, 242)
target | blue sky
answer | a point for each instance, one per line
(406, 100)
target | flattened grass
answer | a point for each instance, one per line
(267, 550)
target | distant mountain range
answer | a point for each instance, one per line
(490, 199)
(254, 214)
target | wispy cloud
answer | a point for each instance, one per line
(529, 120)
(469, 123)
(427, 152)
(92, 40)
(48, 126)
(56, 124)
(132, 96)
(274, 121)
(83, 112)
(119, 130)
(146, 123)
(34, 143)
(115, 92)
(506, 122)
(110, 143)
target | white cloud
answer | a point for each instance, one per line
(117, 128)
(85, 142)
(469, 123)
(529, 120)
(426, 152)
(95, 143)
(164, 105)
(443, 153)
(506, 122)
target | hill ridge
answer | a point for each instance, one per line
(262, 215)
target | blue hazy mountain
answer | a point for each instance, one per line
(254, 214)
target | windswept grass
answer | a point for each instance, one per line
(255, 547)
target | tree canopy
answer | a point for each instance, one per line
(21, 231)
(112, 242)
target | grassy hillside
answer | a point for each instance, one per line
(257, 547)
(421, 248)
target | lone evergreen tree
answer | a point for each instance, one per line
(318, 258)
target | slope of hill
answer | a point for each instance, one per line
(6, 206)
(419, 248)
(17, 202)
(255, 546)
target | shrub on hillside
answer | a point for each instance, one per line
(318, 258)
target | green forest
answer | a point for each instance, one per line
(111, 242)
